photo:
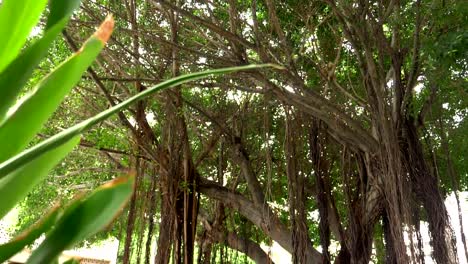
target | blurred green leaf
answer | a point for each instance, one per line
(85, 217)
(17, 73)
(20, 181)
(72, 261)
(32, 111)
(17, 19)
(59, 10)
(29, 236)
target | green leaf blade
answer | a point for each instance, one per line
(18, 243)
(17, 73)
(59, 10)
(58, 139)
(31, 113)
(16, 185)
(84, 218)
(17, 19)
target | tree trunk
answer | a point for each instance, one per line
(166, 230)
(427, 191)
(151, 214)
(323, 189)
(132, 215)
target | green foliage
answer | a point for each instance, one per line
(17, 19)
(84, 217)
(16, 184)
(315, 36)
(9, 249)
(22, 117)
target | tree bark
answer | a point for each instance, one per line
(427, 191)
(132, 215)
(258, 216)
(216, 233)
(248, 247)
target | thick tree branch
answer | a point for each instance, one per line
(234, 241)
(259, 215)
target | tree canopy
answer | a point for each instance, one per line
(337, 155)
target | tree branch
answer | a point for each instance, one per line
(259, 215)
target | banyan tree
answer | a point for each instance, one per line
(339, 155)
